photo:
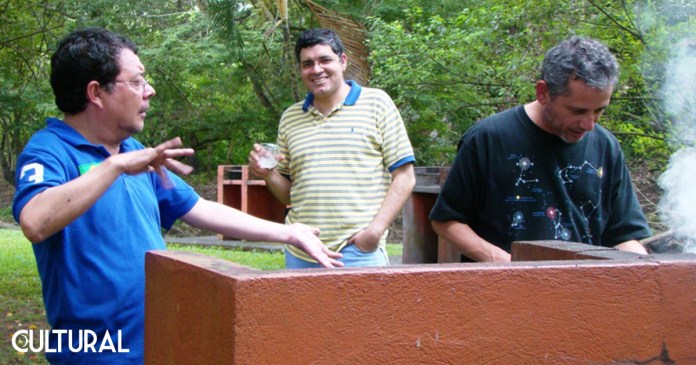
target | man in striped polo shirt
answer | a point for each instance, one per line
(347, 162)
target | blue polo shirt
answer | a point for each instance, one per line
(93, 271)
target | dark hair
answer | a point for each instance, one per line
(312, 37)
(83, 56)
(578, 58)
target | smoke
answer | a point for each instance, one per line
(678, 182)
(678, 203)
(679, 92)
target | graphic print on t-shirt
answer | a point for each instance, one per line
(524, 163)
(560, 204)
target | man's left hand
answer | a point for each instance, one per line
(366, 240)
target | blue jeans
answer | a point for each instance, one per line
(352, 256)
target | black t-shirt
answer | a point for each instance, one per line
(513, 181)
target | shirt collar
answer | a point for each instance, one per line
(72, 137)
(350, 99)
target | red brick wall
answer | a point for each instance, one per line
(201, 310)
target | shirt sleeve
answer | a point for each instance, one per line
(396, 146)
(283, 165)
(37, 170)
(174, 201)
(626, 219)
(458, 194)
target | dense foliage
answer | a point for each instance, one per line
(448, 70)
(224, 70)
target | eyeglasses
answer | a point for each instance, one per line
(139, 85)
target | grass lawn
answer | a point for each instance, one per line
(21, 304)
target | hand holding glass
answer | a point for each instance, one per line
(267, 156)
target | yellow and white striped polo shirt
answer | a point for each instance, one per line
(340, 164)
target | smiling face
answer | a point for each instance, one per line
(128, 100)
(322, 71)
(571, 116)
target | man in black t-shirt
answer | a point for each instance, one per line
(545, 170)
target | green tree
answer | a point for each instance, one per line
(203, 93)
(27, 29)
(224, 70)
(260, 44)
(447, 70)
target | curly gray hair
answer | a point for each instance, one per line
(578, 58)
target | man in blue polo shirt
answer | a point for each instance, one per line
(93, 200)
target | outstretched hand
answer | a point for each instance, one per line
(166, 153)
(158, 158)
(305, 238)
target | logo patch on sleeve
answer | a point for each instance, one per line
(33, 171)
(84, 168)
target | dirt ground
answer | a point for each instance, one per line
(6, 193)
(649, 194)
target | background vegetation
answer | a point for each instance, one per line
(224, 69)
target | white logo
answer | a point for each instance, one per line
(87, 341)
(37, 176)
